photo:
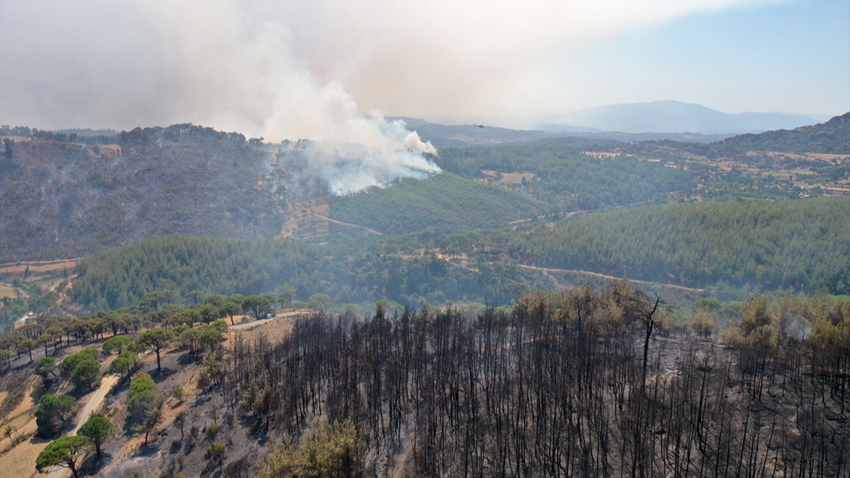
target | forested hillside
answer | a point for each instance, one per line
(348, 274)
(801, 245)
(832, 137)
(569, 179)
(445, 202)
(64, 199)
(67, 195)
(567, 385)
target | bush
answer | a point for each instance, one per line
(329, 450)
(178, 392)
(212, 431)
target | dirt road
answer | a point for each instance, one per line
(603, 276)
(94, 402)
(347, 224)
(247, 325)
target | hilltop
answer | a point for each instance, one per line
(63, 199)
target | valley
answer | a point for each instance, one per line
(543, 306)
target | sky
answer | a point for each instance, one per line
(283, 69)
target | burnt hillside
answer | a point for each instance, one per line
(65, 199)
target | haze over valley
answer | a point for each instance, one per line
(244, 238)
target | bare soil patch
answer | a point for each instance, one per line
(6, 291)
(506, 179)
(43, 266)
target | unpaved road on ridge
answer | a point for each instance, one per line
(94, 402)
(347, 224)
(596, 274)
(254, 323)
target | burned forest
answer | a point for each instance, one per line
(560, 387)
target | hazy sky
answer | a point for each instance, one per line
(287, 69)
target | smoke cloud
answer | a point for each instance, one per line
(343, 169)
(276, 68)
(215, 62)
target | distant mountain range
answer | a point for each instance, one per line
(673, 117)
(658, 120)
(464, 136)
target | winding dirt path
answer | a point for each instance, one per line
(603, 276)
(254, 323)
(92, 404)
(347, 224)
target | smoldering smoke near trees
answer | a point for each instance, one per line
(343, 169)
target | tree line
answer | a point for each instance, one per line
(351, 272)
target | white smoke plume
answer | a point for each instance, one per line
(276, 68)
(343, 169)
(216, 63)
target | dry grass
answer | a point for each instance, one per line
(22, 423)
(509, 178)
(26, 405)
(45, 266)
(21, 417)
(274, 330)
(24, 426)
(304, 215)
(6, 291)
(20, 461)
(110, 148)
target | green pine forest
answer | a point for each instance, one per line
(786, 244)
(770, 245)
(446, 202)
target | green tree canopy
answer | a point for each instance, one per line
(116, 343)
(99, 429)
(195, 296)
(208, 313)
(154, 299)
(125, 363)
(26, 346)
(53, 413)
(44, 366)
(216, 300)
(156, 339)
(86, 373)
(66, 368)
(141, 394)
(66, 451)
(230, 309)
(257, 304)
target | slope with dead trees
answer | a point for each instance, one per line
(561, 387)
